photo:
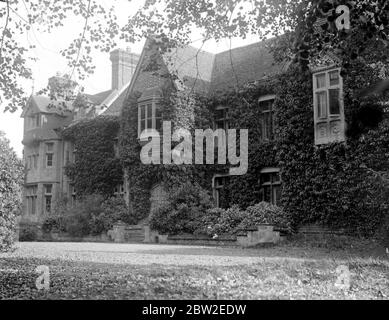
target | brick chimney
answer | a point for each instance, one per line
(123, 67)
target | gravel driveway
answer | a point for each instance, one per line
(147, 271)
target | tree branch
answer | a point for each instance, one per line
(4, 30)
(82, 38)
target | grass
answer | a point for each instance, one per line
(291, 271)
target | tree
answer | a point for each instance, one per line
(311, 28)
(11, 177)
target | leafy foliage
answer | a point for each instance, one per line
(91, 215)
(232, 220)
(265, 213)
(96, 169)
(183, 213)
(309, 29)
(11, 178)
(225, 221)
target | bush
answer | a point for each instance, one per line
(92, 215)
(230, 221)
(27, 234)
(265, 213)
(11, 178)
(227, 222)
(112, 210)
(184, 213)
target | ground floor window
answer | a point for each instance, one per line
(72, 194)
(270, 181)
(48, 197)
(220, 192)
(31, 196)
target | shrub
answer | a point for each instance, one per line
(54, 224)
(265, 213)
(112, 210)
(187, 205)
(209, 220)
(11, 178)
(218, 221)
(227, 221)
(27, 234)
(91, 215)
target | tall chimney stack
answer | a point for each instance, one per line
(123, 67)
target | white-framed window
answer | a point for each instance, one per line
(265, 104)
(328, 106)
(31, 199)
(219, 182)
(270, 181)
(48, 188)
(149, 116)
(49, 154)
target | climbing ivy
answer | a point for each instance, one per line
(95, 169)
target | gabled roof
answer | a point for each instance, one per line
(114, 102)
(44, 104)
(192, 66)
(209, 73)
(99, 98)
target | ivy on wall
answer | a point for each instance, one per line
(95, 169)
(335, 185)
(141, 178)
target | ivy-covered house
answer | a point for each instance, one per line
(315, 147)
(48, 151)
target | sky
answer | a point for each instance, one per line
(50, 61)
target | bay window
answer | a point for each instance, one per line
(328, 106)
(149, 117)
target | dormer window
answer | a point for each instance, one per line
(328, 106)
(149, 117)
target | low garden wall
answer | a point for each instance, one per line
(263, 234)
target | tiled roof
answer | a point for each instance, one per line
(39, 134)
(192, 66)
(46, 105)
(242, 65)
(115, 106)
(98, 98)
(210, 73)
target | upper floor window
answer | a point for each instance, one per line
(270, 185)
(221, 118)
(119, 190)
(34, 121)
(328, 106)
(267, 124)
(49, 154)
(149, 117)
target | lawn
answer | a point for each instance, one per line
(140, 271)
